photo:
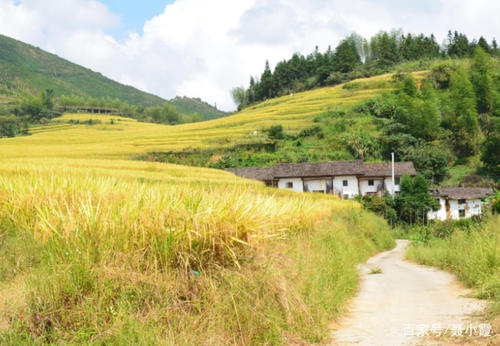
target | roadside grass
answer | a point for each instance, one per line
(472, 254)
(120, 252)
(376, 270)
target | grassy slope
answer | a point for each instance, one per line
(188, 105)
(127, 138)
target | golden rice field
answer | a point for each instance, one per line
(127, 137)
(99, 249)
(202, 214)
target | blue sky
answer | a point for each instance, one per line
(134, 13)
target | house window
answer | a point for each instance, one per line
(461, 213)
(461, 201)
(396, 180)
(371, 182)
(346, 196)
(345, 183)
(289, 185)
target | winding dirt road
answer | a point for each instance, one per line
(404, 301)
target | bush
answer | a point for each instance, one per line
(275, 132)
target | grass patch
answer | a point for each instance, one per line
(376, 270)
(472, 254)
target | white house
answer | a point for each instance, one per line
(459, 202)
(345, 179)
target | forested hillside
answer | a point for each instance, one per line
(192, 106)
(356, 57)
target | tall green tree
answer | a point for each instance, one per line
(482, 78)
(346, 56)
(465, 122)
(265, 88)
(414, 200)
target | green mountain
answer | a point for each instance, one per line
(190, 106)
(24, 68)
(28, 69)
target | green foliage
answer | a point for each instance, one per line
(361, 144)
(482, 78)
(495, 202)
(464, 120)
(275, 132)
(440, 74)
(346, 56)
(491, 153)
(9, 126)
(430, 160)
(414, 200)
(189, 106)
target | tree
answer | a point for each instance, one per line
(346, 56)
(491, 153)
(384, 48)
(484, 45)
(430, 160)
(414, 201)
(275, 132)
(32, 106)
(47, 97)
(265, 88)
(458, 45)
(482, 78)
(8, 126)
(240, 97)
(465, 123)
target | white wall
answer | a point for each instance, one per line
(297, 184)
(351, 190)
(472, 207)
(316, 184)
(388, 185)
(365, 188)
(439, 214)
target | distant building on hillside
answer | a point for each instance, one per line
(458, 202)
(345, 179)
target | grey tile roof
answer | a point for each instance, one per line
(385, 169)
(324, 169)
(318, 169)
(463, 192)
(257, 173)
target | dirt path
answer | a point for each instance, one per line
(404, 299)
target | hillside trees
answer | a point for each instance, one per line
(464, 122)
(346, 56)
(355, 57)
(482, 78)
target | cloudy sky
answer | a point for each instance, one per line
(203, 48)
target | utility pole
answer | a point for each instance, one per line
(236, 159)
(393, 180)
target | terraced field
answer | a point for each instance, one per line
(126, 137)
(98, 249)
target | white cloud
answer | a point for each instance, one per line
(204, 48)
